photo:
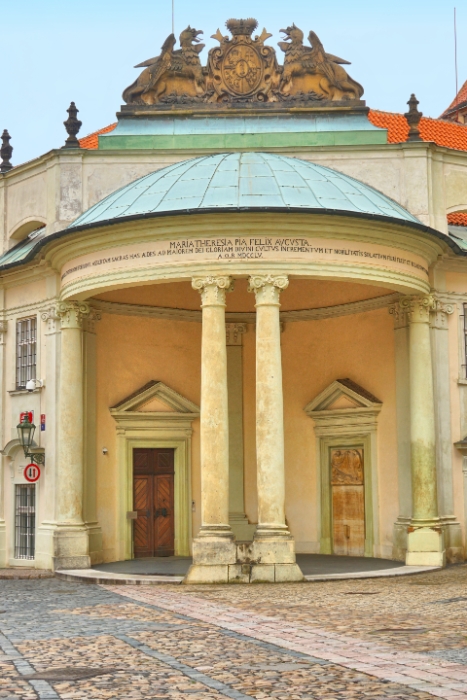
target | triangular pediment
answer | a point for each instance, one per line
(156, 397)
(342, 395)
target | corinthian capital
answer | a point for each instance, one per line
(213, 288)
(267, 288)
(442, 310)
(72, 313)
(418, 308)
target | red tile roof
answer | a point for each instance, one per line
(459, 99)
(91, 141)
(458, 218)
(441, 132)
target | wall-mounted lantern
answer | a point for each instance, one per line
(26, 431)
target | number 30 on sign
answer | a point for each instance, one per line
(32, 473)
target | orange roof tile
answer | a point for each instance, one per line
(92, 141)
(459, 218)
(459, 98)
(441, 132)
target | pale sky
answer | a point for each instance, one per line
(54, 52)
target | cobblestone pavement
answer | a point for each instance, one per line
(369, 639)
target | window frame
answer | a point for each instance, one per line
(26, 330)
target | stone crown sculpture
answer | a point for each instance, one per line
(243, 70)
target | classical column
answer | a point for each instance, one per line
(425, 540)
(71, 546)
(442, 395)
(273, 546)
(3, 533)
(238, 521)
(214, 548)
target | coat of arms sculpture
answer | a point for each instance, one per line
(243, 71)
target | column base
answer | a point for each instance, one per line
(220, 560)
(62, 546)
(241, 527)
(453, 539)
(3, 545)
(399, 538)
(425, 546)
(214, 551)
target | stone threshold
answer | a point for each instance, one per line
(381, 573)
(104, 577)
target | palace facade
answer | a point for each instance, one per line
(239, 312)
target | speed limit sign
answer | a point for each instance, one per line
(32, 473)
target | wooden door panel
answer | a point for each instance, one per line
(348, 501)
(164, 515)
(143, 526)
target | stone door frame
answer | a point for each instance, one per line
(154, 430)
(347, 427)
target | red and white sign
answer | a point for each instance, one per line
(32, 473)
(29, 414)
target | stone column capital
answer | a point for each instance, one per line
(234, 333)
(418, 308)
(213, 288)
(267, 288)
(72, 313)
(442, 310)
(3, 331)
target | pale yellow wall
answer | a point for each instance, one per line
(55, 188)
(132, 351)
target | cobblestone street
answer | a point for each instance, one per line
(388, 638)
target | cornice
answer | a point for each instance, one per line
(165, 313)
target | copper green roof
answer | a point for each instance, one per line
(242, 181)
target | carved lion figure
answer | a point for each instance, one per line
(174, 73)
(313, 70)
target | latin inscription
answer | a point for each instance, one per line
(226, 249)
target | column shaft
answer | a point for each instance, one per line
(214, 548)
(273, 548)
(425, 542)
(71, 549)
(269, 405)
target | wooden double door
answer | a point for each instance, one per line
(153, 500)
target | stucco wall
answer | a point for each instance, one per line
(132, 351)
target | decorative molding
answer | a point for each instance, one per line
(51, 317)
(213, 289)
(399, 315)
(234, 333)
(439, 317)
(418, 308)
(247, 317)
(3, 331)
(72, 313)
(361, 399)
(156, 390)
(267, 288)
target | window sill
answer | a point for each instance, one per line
(26, 563)
(18, 392)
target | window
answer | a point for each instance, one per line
(25, 521)
(26, 331)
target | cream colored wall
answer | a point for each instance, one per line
(131, 352)
(57, 187)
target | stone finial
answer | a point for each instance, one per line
(6, 152)
(72, 126)
(413, 117)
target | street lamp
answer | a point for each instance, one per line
(26, 431)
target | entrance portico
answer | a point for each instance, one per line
(313, 298)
